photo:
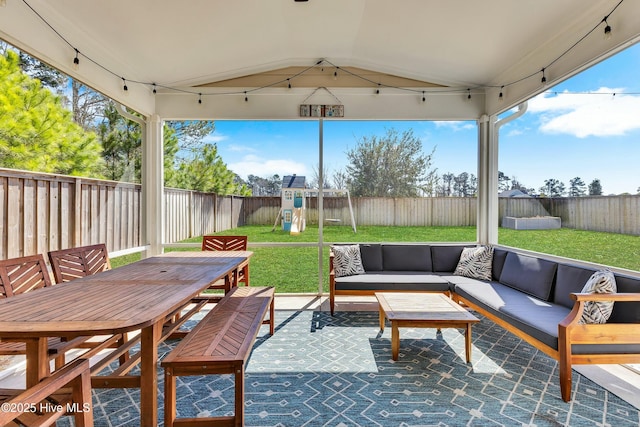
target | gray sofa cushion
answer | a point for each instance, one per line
(533, 316)
(444, 259)
(626, 312)
(371, 255)
(499, 255)
(531, 275)
(569, 279)
(405, 281)
(536, 318)
(406, 257)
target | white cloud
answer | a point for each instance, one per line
(455, 125)
(240, 148)
(255, 165)
(214, 138)
(580, 115)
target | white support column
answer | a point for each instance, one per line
(488, 202)
(153, 185)
(320, 204)
(487, 215)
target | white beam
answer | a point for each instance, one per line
(284, 104)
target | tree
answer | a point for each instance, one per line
(504, 182)
(87, 105)
(264, 186)
(36, 132)
(192, 133)
(208, 173)
(465, 185)
(315, 177)
(577, 187)
(391, 166)
(340, 179)
(446, 188)
(595, 188)
(552, 188)
(49, 77)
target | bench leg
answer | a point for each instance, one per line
(239, 379)
(169, 397)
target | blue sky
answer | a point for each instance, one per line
(563, 135)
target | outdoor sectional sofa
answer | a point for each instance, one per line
(537, 298)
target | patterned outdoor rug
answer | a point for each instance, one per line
(319, 370)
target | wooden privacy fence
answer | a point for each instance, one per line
(613, 214)
(43, 212)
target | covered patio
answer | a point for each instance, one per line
(322, 60)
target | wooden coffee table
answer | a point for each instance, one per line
(423, 310)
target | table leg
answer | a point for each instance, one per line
(148, 374)
(381, 319)
(395, 340)
(37, 360)
(467, 341)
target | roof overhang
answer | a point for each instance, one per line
(223, 52)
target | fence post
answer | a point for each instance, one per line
(77, 213)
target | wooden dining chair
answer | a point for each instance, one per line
(69, 264)
(66, 392)
(81, 261)
(25, 274)
(228, 243)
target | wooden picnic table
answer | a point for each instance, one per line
(138, 296)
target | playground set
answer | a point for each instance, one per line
(293, 210)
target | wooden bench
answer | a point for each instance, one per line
(66, 391)
(219, 344)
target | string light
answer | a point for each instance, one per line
(607, 29)
(323, 62)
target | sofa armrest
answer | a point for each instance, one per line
(580, 298)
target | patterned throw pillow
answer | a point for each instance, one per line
(600, 282)
(475, 263)
(347, 260)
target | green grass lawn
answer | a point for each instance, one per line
(295, 269)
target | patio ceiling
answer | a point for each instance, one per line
(216, 50)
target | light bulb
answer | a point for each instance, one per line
(76, 60)
(607, 30)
